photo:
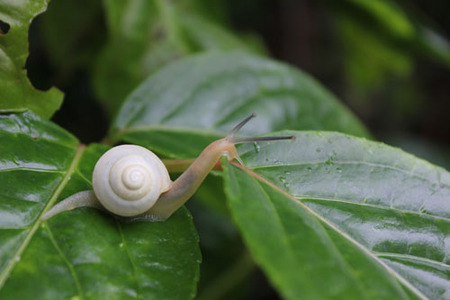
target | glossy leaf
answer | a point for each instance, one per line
(16, 91)
(182, 108)
(83, 253)
(156, 33)
(334, 216)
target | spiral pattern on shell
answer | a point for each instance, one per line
(129, 179)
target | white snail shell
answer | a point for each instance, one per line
(129, 179)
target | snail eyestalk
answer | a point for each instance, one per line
(131, 181)
(241, 140)
(239, 126)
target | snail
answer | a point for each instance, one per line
(130, 180)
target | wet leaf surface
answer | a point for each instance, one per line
(369, 220)
(82, 253)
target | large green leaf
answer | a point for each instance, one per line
(334, 216)
(16, 91)
(85, 252)
(155, 32)
(183, 107)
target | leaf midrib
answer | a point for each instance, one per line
(37, 170)
(312, 200)
(14, 259)
(130, 259)
(290, 247)
(66, 261)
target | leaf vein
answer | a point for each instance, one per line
(12, 262)
(67, 262)
(336, 251)
(423, 215)
(339, 231)
(377, 165)
(410, 257)
(133, 265)
(31, 170)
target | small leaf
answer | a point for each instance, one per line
(82, 253)
(331, 215)
(16, 91)
(183, 107)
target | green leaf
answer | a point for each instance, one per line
(388, 14)
(16, 91)
(186, 105)
(83, 253)
(155, 33)
(380, 39)
(334, 216)
(369, 60)
(202, 35)
(400, 29)
(71, 43)
(226, 263)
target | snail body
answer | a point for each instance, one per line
(130, 180)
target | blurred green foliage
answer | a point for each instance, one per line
(384, 58)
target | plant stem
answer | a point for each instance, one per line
(180, 165)
(229, 279)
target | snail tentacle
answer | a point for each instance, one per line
(131, 181)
